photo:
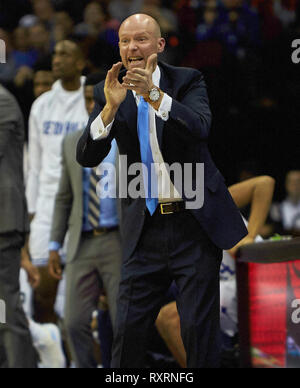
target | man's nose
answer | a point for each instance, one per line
(132, 46)
(55, 60)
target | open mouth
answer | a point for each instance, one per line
(135, 60)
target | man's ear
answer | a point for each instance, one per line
(161, 45)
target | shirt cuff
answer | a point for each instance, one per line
(165, 108)
(54, 246)
(98, 131)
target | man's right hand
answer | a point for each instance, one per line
(115, 94)
(55, 269)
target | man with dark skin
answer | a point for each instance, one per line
(94, 250)
(53, 115)
(42, 82)
(159, 114)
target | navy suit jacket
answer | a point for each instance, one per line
(182, 139)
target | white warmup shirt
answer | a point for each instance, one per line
(53, 115)
(166, 190)
(26, 293)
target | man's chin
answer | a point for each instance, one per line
(57, 74)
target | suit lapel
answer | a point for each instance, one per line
(159, 130)
(129, 110)
(165, 87)
(77, 170)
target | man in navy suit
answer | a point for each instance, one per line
(159, 115)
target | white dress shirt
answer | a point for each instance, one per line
(166, 190)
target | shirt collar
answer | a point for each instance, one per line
(156, 76)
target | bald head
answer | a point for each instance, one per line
(139, 38)
(147, 21)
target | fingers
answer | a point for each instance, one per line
(233, 252)
(137, 71)
(130, 87)
(139, 76)
(132, 81)
(151, 63)
(114, 72)
(34, 282)
(132, 78)
(55, 270)
(36, 279)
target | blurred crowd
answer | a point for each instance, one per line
(242, 46)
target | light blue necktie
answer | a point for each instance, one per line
(146, 154)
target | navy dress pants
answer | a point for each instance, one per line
(171, 247)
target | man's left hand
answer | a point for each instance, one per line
(33, 273)
(247, 240)
(140, 80)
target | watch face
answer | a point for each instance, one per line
(154, 95)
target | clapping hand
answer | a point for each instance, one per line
(114, 92)
(140, 80)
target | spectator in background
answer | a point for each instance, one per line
(187, 17)
(94, 248)
(206, 30)
(44, 11)
(271, 25)
(239, 27)
(24, 56)
(98, 24)
(63, 26)
(16, 350)
(8, 70)
(121, 9)
(166, 18)
(42, 81)
(93, 21)
(285, 10)
(53, 115)
(98, 36)
(168, 21)
(23, 53)
(40, 40)
(286, 215)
